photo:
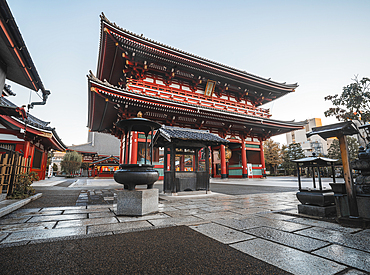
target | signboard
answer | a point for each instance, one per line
(210, 87)
(250, 169)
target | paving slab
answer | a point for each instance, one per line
(105, 214)
(117, 227)
(325, 224)
(86, 222)
(26, 226)
(187, 212)
(64, 208)
(221, 233)
(57, 218)
(3, 235)
(275, 216)
(354, 272)
(347, 256)
(289, 239)
(143, 218)
(288, 259)
(217, 215)
(44, 234)
(83, 211)
(337, 237)
(252, 222)
(185, 220)
(191, 206)
(5, 220)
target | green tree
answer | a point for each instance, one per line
(334, 149)
(292, 152)
(71, 162)
(353, 103)
(272, 154)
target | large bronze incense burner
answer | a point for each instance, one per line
(131, 175)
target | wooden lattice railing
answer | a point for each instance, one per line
(175, 94)
(12, 164)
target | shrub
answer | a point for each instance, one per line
(22, 186)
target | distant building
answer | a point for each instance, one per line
(99, 143)
(312, 144)
(100, 152)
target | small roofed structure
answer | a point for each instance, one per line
(186, 157)
(314, 162)
(104, 168)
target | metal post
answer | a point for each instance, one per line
(299, 178)
(151, 146)
(313, 177)
(129, 144)
(333, 171)
(206, 158)
(347, 173)
(146, 147)
(318, 174)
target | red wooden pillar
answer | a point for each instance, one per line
(262, 156)
(26, 149)
(223, 162)
(244, 160)
(168, 159)
(121, 147)
(134, 148)
(182, 163)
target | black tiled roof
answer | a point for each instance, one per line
(170, 133)
(30, 120)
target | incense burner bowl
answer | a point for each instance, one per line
(131, 175)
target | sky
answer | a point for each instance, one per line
(321, 45)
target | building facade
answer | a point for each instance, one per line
(314, 144)
(175, 88)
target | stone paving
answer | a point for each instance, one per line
(261, 225)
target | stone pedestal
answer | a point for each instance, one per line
(137, 202)
(317, 211)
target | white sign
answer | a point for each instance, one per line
(50, 172)
(250, 169)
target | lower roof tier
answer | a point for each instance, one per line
(109, 104)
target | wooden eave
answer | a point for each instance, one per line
(14, 53)
(103, 112)
(145, 49)
(49, 138)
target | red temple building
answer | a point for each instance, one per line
(20, 131)
(175, 88)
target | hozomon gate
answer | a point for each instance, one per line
(175, 88)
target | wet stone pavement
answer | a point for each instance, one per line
(264, 226)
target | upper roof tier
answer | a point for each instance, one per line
(123, 54)
(13, 52)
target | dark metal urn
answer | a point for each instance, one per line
(131, 175)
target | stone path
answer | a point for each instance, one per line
(260, 225)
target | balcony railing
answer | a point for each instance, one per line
(179, 95)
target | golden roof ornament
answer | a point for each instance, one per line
(140, 114)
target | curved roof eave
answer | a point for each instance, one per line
(180, 53)
(260, 120)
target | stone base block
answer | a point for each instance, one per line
(137, 202)
(2, 196)
(318, 211)
(363, 204)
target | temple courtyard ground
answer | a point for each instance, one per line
(241, 227)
